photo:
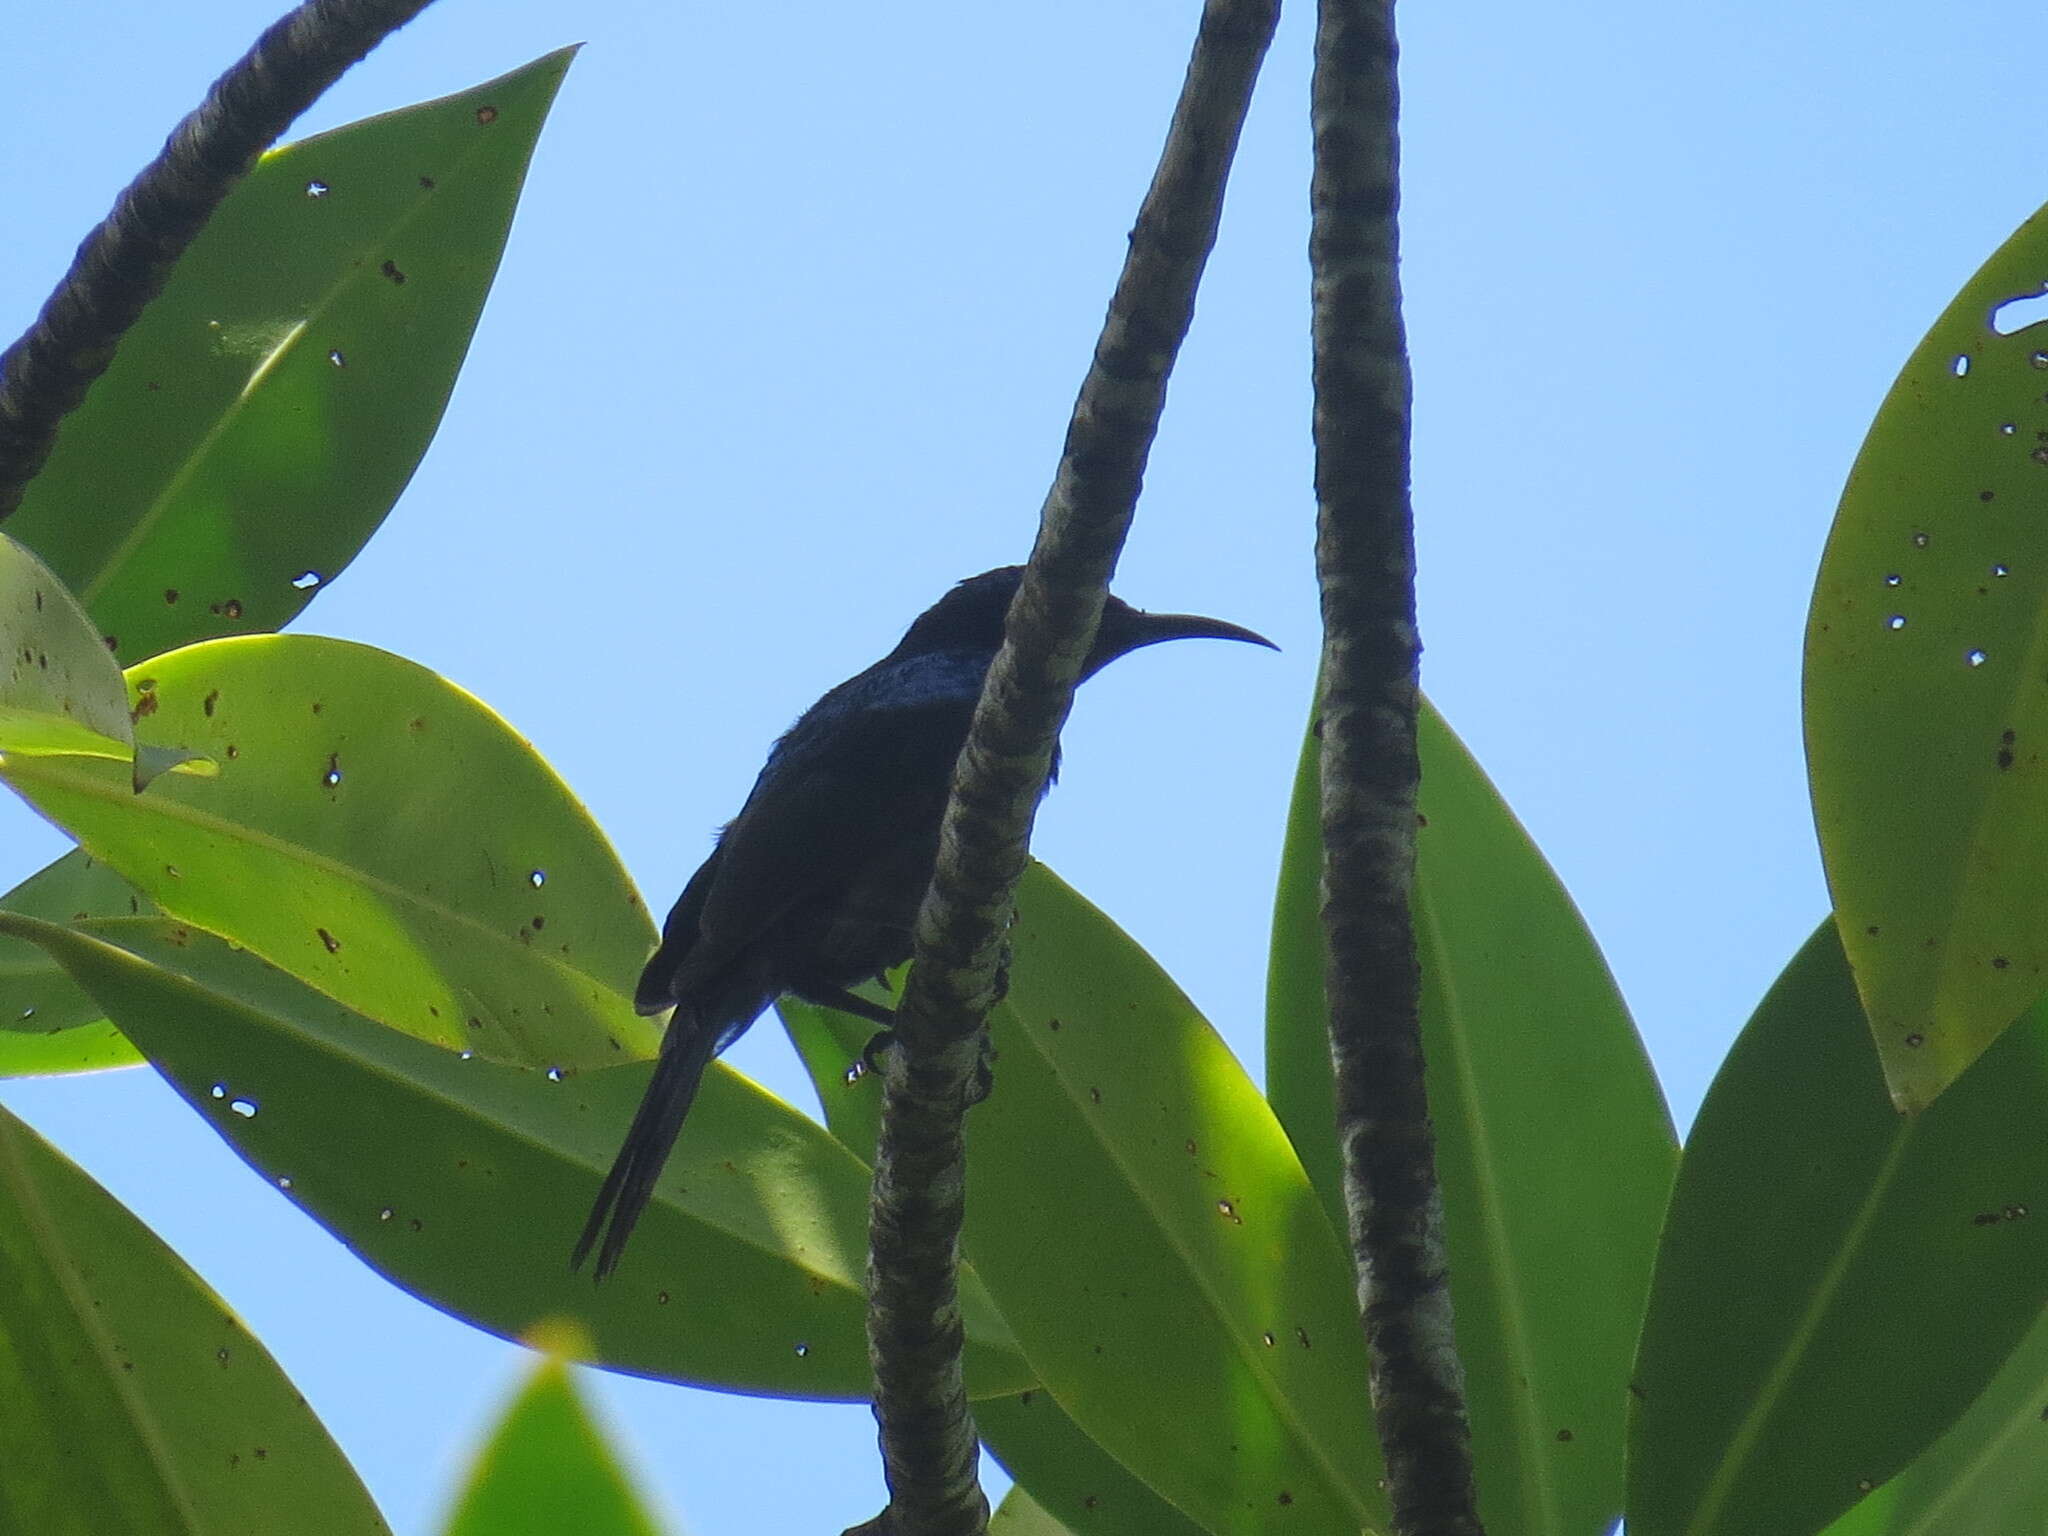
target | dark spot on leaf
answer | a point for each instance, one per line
(1024, 1398)
(146, 705)
(2015, 1213)
(416, 724)
(476, 1023)
(1999, 962)
(426, 183)
(661, 1298)
(1984, 495)
(2004, 758)
(1094, 1095)
(170, 594)
(1301, 1337)
(1052, 1024)
(1915, 1041)
(390, 270)
(539, 921)
(232, 608)
(1286, 1497)
(318, 706)
(1191, 1146)
(486, 116)
(233, 751)
(333, 944)
(113, 642)
(1564, 1437)
(209, 701)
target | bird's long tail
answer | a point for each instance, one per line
(686, 1052)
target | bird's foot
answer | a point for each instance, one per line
(878, 1043)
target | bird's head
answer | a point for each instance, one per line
(970, 617)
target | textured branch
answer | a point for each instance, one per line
(1365, 557)
(124, 263)
(914, 1332)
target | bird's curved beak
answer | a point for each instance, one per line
(1151, 628)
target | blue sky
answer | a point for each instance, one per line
(784, 343)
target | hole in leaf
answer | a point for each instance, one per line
(2017, 314)
(306, 581)
(316, 189)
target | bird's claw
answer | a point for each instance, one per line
(871, 1053)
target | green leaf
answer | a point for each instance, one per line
(466, 1182)
(84, 1048)
(60, 692)
(1926, 723)
(265, 412)
(1020, 1515)
(1985, 1477)
(1835, 1283)
(548, 1470)
(134, 1400)
(380, 834)
(1554, 1149)
(1072, 1480)
(1137, 1214)
(36, 996)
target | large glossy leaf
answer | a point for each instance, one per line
(548, 1471)
(1836, 1283)
(1988, 1476)
(134, 1400)
(1072, 1481)
(1138, 1215)
(466, 1182)
(60, 692)
(262, 416)
(36, 996)
(1554, 1149)
(1926, 722)
(379, 833)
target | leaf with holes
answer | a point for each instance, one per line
(263, 415)
(1835, 1283)
(465, 1182)
(134, 1400)
(37, 998)
(1554, 1149)
(379, 833)
(548, 1469)
(1926, 719)
(60, 692)
(1169, 1274)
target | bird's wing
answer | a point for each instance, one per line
(657, 990)
(823, 813)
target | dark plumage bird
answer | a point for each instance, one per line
(815, 885)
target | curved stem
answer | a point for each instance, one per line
(125, 261)
(928, 1438)
(1365, 558)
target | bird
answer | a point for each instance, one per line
(814, 887)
